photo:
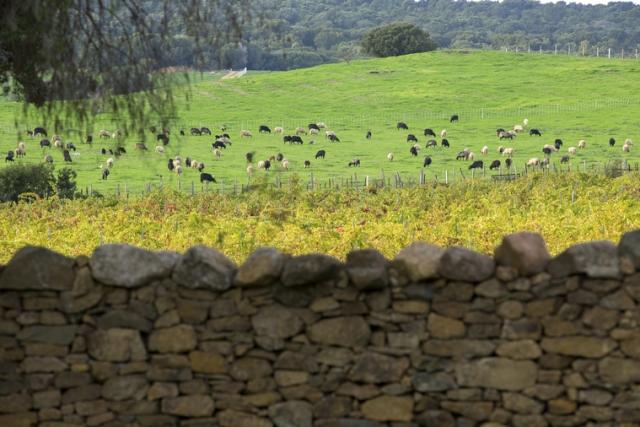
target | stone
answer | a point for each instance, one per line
(177, 339)
(23, 419)
(204, 268)
(290, 378)
(525, 251)
(124, 319)
(125, 387)
(350, 331)
(46, 399)
(519, 350)
(294, 413)
(388, 408)
(433, 382)
(418, 262)
(631, 347)
(411, 307)
(261, 268)
(618, 301)
(359, 392)
(403, 340)
(445, 327)
(77, 304)
(276, 321)
(66, 380)
(116, 345)
(128, 266)
(374, 368)
(595, 397)
(601, 318)
(458, 349)
(531, 421)
(15, 403)
(491, 288)
(436, 418)
(629, 247)
(332, 407)
(579, 346)
(324, 304)
(310, 269)
(521, 404)
(348, 422)
(476, 411)
(188, 406)
(160, 390)
(367, 269)
(232, 418)
(36, 268)
(462, 264)
(58, 335)
(207, 363)
(498, 373)
(615, 370)
(510, 309)
(561, 406)
(598, 259)
(249, 368)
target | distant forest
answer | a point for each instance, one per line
(287, 34)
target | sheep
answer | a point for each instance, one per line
(110, 162)
(56, 138)
(178, 170)
(48, 158)
(533, 162)
(572, 151)
(443, 133)
(626, 148)
(545, 162)
(330, 134)
(471, 156)
(518, 128)
(20, 152)
(628, 141)
(22, 146)
(278, 129)
(159, 149)
(550, 147)
(321, 125)
(104, 134)
(390, 157)
(261, 164)
(508, 152)
(314, 131)
(301, 131)
(57, 143)
(485, 150)
(307, 164)
(195, 164)
(564, 159)
(217, 153)
(500, 149)
(285, 164)
(245, 134)
(582, 144)
(525, 123)
(250, 170)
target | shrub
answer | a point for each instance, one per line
(66, 184)
(19, 178)
(397, 39)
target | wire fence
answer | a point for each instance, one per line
(576, 49)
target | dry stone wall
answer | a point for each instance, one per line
(435, 337)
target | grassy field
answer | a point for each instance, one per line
(565, 97)
(565, 209)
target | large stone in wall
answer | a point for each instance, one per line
(310, 269)
(348, 422)
(579, 346)
(294, 413)
(261, 268)
(418, 261)
(59, 335)
(188, 406)
(128, 266)
(116, 345)
(498, 373)
(597, 259)
(276, 321)
(36, 268)
(350, 331)
(177, 339)
(232, 418)
(124, 319)
(616, 370)
(526, 252)
(125, 387)
(204, 268)
(629, 247)
(376, 368)
(388, 408)
(462, 264)
(367, 269)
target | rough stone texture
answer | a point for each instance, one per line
(204, 268)
(629, 247)
(128, 266)
(526, 252)
(262, 268)
(468, 266)
(36, 268)
(309, 269)
(595, 259)
(365, 344)
(418, 261)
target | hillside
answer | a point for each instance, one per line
(569, 98)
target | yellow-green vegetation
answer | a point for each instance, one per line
(566, 209)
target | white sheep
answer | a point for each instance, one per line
(321, 125)
(22, 146)
(195, 164)
(56, 138)
(518, 128)
(20, 152)
(471, 156)
(582, 144)
(329, 133)
(278, 129)
(485, 150)
(626, 148)
(217, 153)
(508, 152)
(313, 131)
(245, 134)
(104, 133)
(301, 131)
(285, 164)
(177, 162)
(533, 161)
(250, 170)
(390, 157)
(178, 170)
(628, 141)
(110, 162)
(58, 143)
(525, 122)
(443, 133)
(159, 149)
(261, 164)
(417, 147)
(572, 150)
(550, 147)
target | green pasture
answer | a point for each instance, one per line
(570, 98)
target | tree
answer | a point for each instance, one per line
(397, 39)
(20, 179)
(66, 183)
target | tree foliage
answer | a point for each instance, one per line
(22, 178)
(397, 39)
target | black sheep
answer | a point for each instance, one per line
(427, 161)
(10, 156)
(279, 157)
(535, 132)
(445, 143)
(170, 165)
(249, 157)
(413, 151)
(564, 159)
(267, 165)
(476, 165)
(207, 177)
(429, 132)
(105, 173)
(67, 156)
(205, 131)
(431, 143)
(547, 151)
(612, 142)
(45, 143)
(321, 154)
(354, 162)
(494, 165)
(454, 118)
(264, 129)
(402, 125)
(307, 163)
(412, 138)
(195, 132)
(508, 163)
(368, 134)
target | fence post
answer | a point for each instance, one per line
(555, 51)
(622, 53)
(609, 53)
(446, 176)
(597, 52)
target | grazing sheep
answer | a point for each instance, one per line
(525, 122)
(402, 125)
(431, 143)
(105, 173)
(250, 169)
(508, 162)
(509, 134)
(195, 164)
(279, 157)
(390, 157)
(20, 152)
(170, 165)
(217, 153)
(508, 152)
(159, 149)
(10, 156)
(368, 135)
(429, 132)
(564, 159)
(500, 149)
(494, 165)
(67, 156)
(547, 151)
(272, 158)
(329, 134)
(572, 151)
(550, 147)
(518, 128)
(612, 142)
(141, 146)
(178, 170)
(264, 129)
(278, 129)
(445, 142)
(314, 131)
(48, 158)
(354, 162)
(307, 164)
(207, 177)
(285, 164)
(536, 132)
(443, 133)
(245, 134)
(110, 162)
(471, 156)
(249, 156)
(301, 131)
(533, 161)
(582, 144)
(545, 162)
(321, 125)
(320, 154)
(626, 148)
(628, 141)
(261, 164)
(499, 131)
(484, 151)
(454, 118)
(414, 151)
(412, 138)
(57, 143)
(478, 164)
